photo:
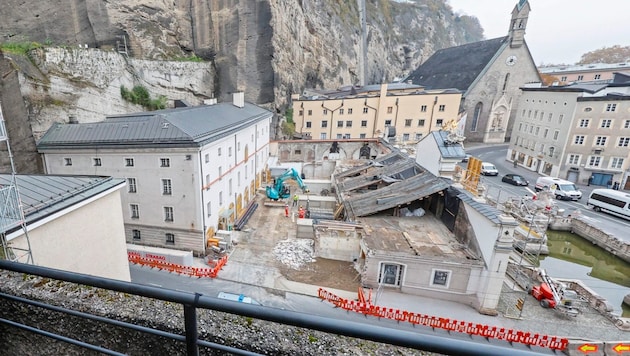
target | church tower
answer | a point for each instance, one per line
(518, 23)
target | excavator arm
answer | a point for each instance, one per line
(280, 191)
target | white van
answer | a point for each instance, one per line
(560, 188)
(488, 169)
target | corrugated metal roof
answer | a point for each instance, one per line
(484, 209)
(43, 195)
(189, 126)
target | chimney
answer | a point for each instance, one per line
(72, 120)
(238, 99)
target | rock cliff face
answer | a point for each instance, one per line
(269, 49)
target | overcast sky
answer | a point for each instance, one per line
(558, 31)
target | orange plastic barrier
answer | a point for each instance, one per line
(171, 267)
(551, 342)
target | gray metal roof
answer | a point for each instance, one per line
(484, 209)
(448, 149)
(43, 195)
(457, 67)
(186, 126)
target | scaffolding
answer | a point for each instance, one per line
(11, 213)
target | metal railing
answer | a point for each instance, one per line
(191, 302)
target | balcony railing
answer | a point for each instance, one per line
(192, 302)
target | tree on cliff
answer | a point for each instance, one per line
(614, 54)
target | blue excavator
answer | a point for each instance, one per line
(279, 190)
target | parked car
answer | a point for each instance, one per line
(466, 158)
(515, 179)
(488, 169)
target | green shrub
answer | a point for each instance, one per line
(140, 95)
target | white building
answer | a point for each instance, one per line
(439, 153)
(189, 171)
(578, 132)
(73, 223)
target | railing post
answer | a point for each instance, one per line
(190, 325)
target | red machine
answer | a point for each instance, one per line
(554, 295)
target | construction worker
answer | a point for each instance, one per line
(286, 210)
(301, 212)
(296, 198)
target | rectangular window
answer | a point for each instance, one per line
(611, 107)
(131, 183)
(67, 161)
(606, 123)
(594, 161)
(346, 136)
(230, 151)
(440, 278)
(308, 124)
(220, 198)
(584, 122)
(421, 122)
(546, 132)
(322, 136)
(623, 141)
(209, 208)
(349, 111)
(135, 234)
(325, 112)
(170, 239)
(578, 140)
(340, 111)
(220, 172)
(207, 158)
(537, 130)
(362, 135)
(555, 134)
(165, 162)
(598, 76)
(388, 122)
(560, 118)
(348, 123)
(238, 175)
(423, 108)
(600, 141)
(219, 151)
(310, 112)
(550, 117)
(365, 110)
(135, 211)
(301, 113)
(339, 123)
(406, 137)
(616, 162)
(418, 136)
(339, 136)
(324, 123)
(580, 77)
(626, 124)
(407, 122)
(390, 109)
(207, 181)
(363, 123)
(97, 162)
(574, 159)
(129, 162)
(441, 107)
(563, 79)
(439, 122)
(166, 187)
(230, 187)
(168, 213)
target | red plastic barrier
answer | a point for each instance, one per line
(446, 323)
(171, 267)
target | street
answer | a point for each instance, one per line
(497, 156)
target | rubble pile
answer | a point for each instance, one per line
(294, 252)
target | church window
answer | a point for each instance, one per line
(475, 120)
(505, 82)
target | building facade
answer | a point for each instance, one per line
(190, 171)
(73, 223)
(489, 74)
(407, 112)
(579, 132)
(600, 72)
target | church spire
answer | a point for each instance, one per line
(518, 23)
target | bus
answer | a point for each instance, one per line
(611, 201)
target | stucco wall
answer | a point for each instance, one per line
(88, 239)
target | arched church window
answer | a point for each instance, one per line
(476, 115)
(505, 82)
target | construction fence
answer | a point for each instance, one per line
(363, 306)
(198, 272)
